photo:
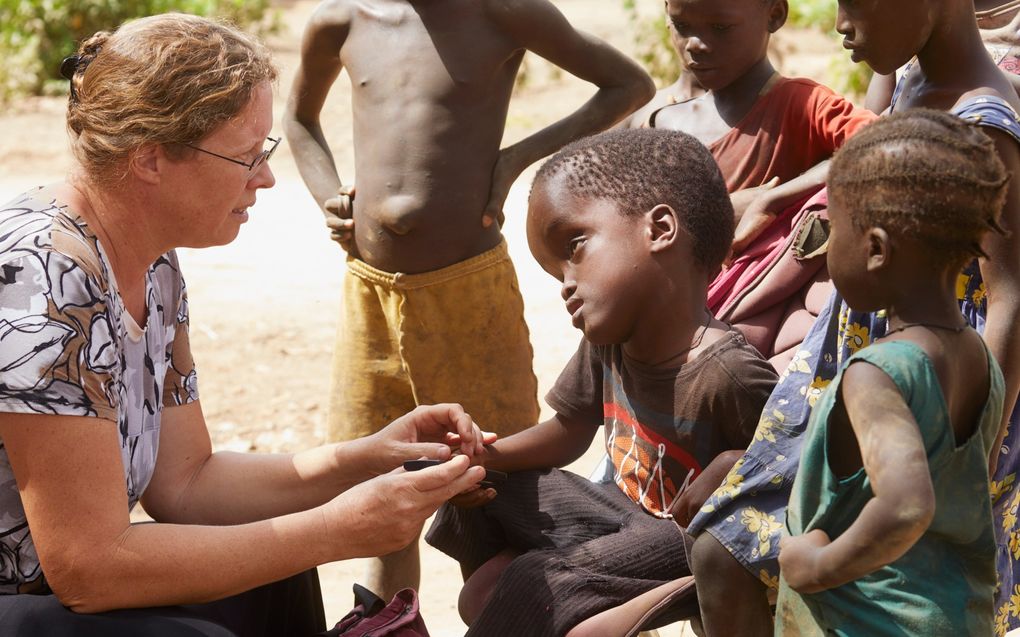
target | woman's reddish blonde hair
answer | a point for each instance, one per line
(169, 79)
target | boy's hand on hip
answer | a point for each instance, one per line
(504, 174)
(801, 560)
(340, 217)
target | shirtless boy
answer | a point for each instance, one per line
(432, 307)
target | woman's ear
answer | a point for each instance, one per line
(663, 227)
(778, 12)
(146, 163)
(879, 249)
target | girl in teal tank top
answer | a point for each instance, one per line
(890, 526)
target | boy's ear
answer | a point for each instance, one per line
(146, 163)
(663, 227)
(879, 249)
(778, 12)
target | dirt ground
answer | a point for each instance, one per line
(263, 322)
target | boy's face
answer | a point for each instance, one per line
(599, 254)
(723, 39)
(885, 34)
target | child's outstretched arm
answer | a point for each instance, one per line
(320, 66)
(1001, 274)
(893, 455)
(553, 443)
(538, 26)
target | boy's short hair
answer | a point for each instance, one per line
(925, 174)
(641, 169)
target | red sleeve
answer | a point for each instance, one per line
(835, 118)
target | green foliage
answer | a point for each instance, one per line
(652, 44)
(845, 76)
(36, 35)
(820, 14)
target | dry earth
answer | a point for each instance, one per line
(264, 308)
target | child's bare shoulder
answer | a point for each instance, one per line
(329, 16)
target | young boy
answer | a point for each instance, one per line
(633, 223)
(431, 299)
(763, 129)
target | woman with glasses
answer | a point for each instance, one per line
(169, 119)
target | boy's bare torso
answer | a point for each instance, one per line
(428, 122)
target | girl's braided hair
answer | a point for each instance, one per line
(925, 174)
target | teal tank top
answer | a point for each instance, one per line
(945, 583)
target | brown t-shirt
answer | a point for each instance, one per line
(664, 425)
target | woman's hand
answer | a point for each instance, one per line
(386, 514)
(430, 431)
(801, 561)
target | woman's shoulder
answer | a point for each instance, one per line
(36, 227)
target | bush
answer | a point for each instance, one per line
(36, 35)
(652, 45)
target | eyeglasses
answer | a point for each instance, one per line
(260, 159)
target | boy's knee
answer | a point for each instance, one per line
(708, 556)
(479, 586)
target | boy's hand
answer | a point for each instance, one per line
(698, 492)
(476, 496)
(504, 174)
(751, 209)
(340, 217)
(801, 560)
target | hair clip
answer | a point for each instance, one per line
(69, 66)
(67, 69)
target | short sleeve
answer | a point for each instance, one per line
(744, 385)
(577, 393)
(836, 119)
(180, 385)
(57, 352)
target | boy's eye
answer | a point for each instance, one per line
(720, 28)
(574, 245)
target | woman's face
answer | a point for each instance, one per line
(885, 34)
(211, 194)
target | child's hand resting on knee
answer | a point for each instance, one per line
(694, 496)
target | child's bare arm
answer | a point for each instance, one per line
(698, 491)
(553, 443)
(538, 26)
(893, 454)
(1001, 274)
(320, 66)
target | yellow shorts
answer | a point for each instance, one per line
(453, 335)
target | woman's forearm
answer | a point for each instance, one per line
(236, 488)
(166, 564)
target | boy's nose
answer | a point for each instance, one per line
(568, 289)
(695, 44)
(843, 26)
